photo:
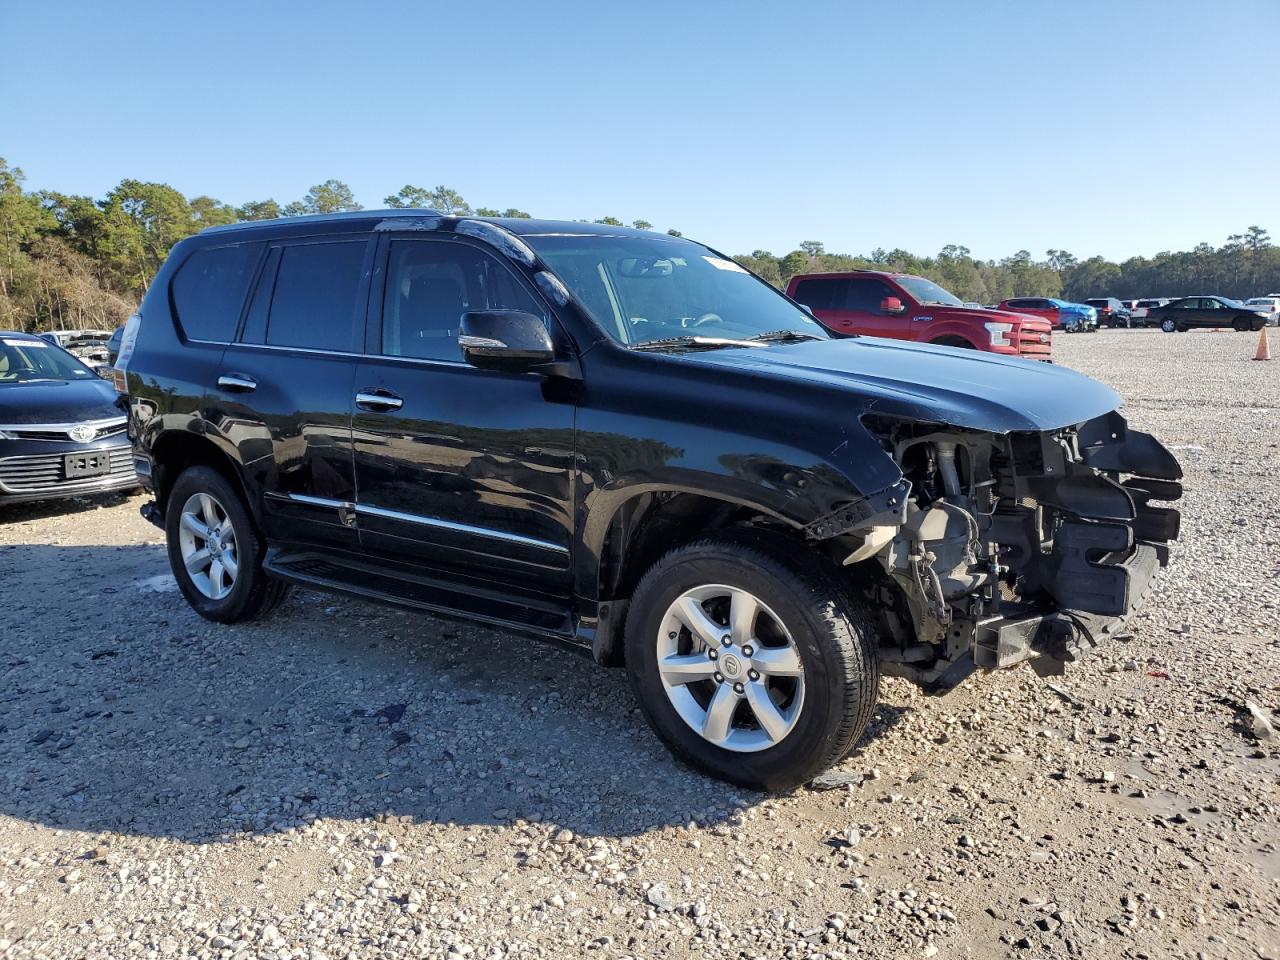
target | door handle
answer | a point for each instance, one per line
(237, 383)
(378, 401)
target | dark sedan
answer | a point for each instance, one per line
(62, 431)
(1205, 312)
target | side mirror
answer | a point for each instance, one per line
(509, 340)
(892, 305)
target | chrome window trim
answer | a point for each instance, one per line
(359, 356)
(427, 521)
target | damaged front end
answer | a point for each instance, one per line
(1004, 548)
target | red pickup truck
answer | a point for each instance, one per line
(904, 307)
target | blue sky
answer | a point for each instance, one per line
(1116, 128)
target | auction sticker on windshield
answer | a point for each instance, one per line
(721, 264)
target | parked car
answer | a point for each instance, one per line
(62, 429)
(904, 307)
(1268, 306)
(1207, 312)
(1142, 308)
(627, 442)
(1068, 317)
(1111, 312)
(113, 344)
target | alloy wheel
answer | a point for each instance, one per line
(207, 542)
(730, 668)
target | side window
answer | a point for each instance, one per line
(431, 284)
(208, 290)
(1018, 304)
(822, 294)
(1191, 303)
(316, 296)
(865, 295)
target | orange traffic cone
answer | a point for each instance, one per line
(1264, 348)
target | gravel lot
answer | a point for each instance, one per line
(347, 780)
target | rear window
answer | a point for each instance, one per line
(316, 294)
(209, 289)
(822, 294)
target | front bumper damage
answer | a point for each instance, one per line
(1020, 547)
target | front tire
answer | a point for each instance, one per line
(215, 550)
(751, 660)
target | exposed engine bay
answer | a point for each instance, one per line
(1004, 548)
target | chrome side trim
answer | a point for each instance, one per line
(310, 501)
(427, 522)
(459, 527)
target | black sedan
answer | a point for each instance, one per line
(62, 431)
(1207, 312)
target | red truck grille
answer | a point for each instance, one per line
(1035, 344)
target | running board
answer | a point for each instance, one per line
(324, 572)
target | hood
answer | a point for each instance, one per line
(983, 315)
(57, 401)
(963, 388)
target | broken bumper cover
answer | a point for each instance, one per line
(1064, 635)
(1105, 553)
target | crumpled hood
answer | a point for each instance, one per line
(57, 401)
(963, 388)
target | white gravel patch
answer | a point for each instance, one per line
(347, 781)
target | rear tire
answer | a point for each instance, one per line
(216, 551)
(800, 677)
(1168, 326)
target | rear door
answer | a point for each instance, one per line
(464, 475)
(283, 392)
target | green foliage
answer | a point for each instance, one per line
(70, 261)
(332, 196)
(1246, 265)
(442, 198)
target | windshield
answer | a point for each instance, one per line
(24, 361)
(926, 291)
(641, 289)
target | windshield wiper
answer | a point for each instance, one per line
(693, 343)
(785, 336)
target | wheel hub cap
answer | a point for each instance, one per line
(730, 668)
(207, 544)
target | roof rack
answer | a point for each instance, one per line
(325, 217)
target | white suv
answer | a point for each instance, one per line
(1270, 305)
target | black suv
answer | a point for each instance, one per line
(1111, 312)
(627, 442)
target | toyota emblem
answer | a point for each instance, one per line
(83, 434)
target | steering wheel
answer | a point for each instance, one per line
(708, 318)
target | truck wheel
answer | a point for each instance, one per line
(215, 550)
(958, 342)
(751, 660)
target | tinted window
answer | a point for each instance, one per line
(209, 289)
(865, 295)
(316, 294)
(822, 294)
(1018, 304)
(430, 285)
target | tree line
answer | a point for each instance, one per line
(69, 261)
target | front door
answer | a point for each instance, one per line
(462, 474)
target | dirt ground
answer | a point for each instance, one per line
(348, 780)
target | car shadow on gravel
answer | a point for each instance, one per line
(123, 711)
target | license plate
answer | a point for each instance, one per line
(91, 464)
